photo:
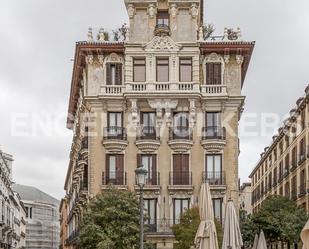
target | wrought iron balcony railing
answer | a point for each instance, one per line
(114, 178)
(114, 132)
(302, 190)
(147, 133)
(213, 132)
(214, 177)
(152, 179)
(180, 132)
(180, 178)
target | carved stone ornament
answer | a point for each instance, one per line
(101, 59)
(194, 10)
(152, 10)
(89, 59)
(90, 35)
(131, 10)
(162, 43)
(239, 59)
(201, 34)
(173, 10)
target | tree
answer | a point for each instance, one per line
(208, 30)
(186, 230)
(248, 229)
(111, 221)
(280, 218)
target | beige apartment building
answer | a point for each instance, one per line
(165, 98)
(283, 167)
(245, 197)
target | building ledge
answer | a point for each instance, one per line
(180, 145)
(147, 145)
(115, 145)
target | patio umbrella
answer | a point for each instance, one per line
(256, 239)
(232, 236)
(206, 236)
(262, 241)
(304, 235)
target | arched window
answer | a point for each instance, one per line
(213, 69)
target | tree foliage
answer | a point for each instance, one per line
(280, 218)
(186, 230)
(111, 221)
(248, 229)
(208, 30)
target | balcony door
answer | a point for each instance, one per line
(213, 169)
(181, 173)
(179, 207)
(114, 125)
(149, 125)
(114, 74)
(181, 125)
(213, 124)
(149, 162)
(114, 169)
(151, 214)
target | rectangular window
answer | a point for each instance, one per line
(113, 74)
(114, 125)
(185, 69)
(180, 174)
(151, 214)
(139, 70)
(148, 120)
(180, 206)
(294, 156)
(114, 169)
(303, 119)
(149, 162)
(213, 74)
(163, 18)
(162, 69)
(181, 125)
(217, 206)
(213, 169)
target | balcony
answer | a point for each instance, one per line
(147, 139)
(286, 172)
(171, 88)
(275, 182)
(302, 158)
(152, 182)
(214, 178)
(162, 226)
(162, 30)
(180, 181)
(280, 179)
(294, 194)
(180, 139)
(115, 139)
(214, 90)
(293, 167)
(117, 178)
(302, 190)
(213, 138)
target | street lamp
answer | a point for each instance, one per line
(141, 174)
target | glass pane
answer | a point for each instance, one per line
(217, 165)
(185, 73)
(152, 211)
(113, 74)
(162, 73)
(177, 209)
(139, 73)
(217, 208)
(112, 167)
(210, 165)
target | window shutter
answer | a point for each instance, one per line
(108, 74)
(118, 78)
(105, 179)
(217, 73)
(210, 73)
(139, 159)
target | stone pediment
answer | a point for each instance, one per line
(162, 43)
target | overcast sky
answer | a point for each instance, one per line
(37, 41)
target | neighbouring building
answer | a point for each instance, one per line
(165, 98)
(19, 222)
(63, 223)
(42, 218)
(283, 166)
(245, 197)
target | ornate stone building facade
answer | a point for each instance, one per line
(164, 98)
(283, 167)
